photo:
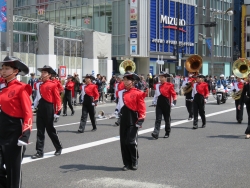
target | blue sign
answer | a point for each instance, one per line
(93, 73)
(133, 23)
(163, 26)
(133, 35)
(133, 29)
(151, 69)
(3, 16)
(209, 44)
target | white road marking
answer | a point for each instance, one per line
(116, 182)
(112, 139)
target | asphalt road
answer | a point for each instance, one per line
(216, 156)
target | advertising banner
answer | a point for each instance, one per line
(163, 26)
(62, 71)
(3, 16)
(209, 44)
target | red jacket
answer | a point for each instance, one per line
(167, 90)
(59, 85)
(15, 102)
(50, 93)
(202, 88)
(120, 86)
(92, 91)
(134, 100)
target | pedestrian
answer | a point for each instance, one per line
(69, 88)
(111, 90)
(131, 106)
(15, 117)
(164, 94)
(237, 89)
(90, 96)
(245, 98)
(99, 85)
(149, 81)
(50, 98)
(200, 95)
(76, 87)
(38, 95)
(104, 89)
(31, 82)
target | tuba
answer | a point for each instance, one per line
(241, 69)
(193, 65)
(127, 65)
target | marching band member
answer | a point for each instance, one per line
(69, 88)
(60, 89)
(50, 98)
(118, 87)
(90, 96)
(15, 118)
(237, 88)
(38, 95)
(131, 106)
(245, 98)
(164, 94)
(186, 86)
(200, 95)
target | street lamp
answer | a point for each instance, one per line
(229, 12)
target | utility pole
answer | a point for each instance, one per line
(177, 37)
(9, 33)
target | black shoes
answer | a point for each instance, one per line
(73, 112)
(80, 131)
(195, 127)
(239, 121)
(190, 118)
(203, 126)
(166, 135)
(93, 130)
(125, 168)
(56, 120)
(134, 167)
(58, 152)
(37, 155)
(154, 135)
(64, 114)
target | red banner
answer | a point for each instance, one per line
(62, 71)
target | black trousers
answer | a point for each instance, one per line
(239, 113)
(163, 108)
(128, 141)
(199, 107)
(88, 109)
(33, 95)
(3, 181)
(67, 99)
(12, 156)
(189, 106)
(45, 120)
(248, 114)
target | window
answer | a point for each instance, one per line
(248, 22)
(248, 38)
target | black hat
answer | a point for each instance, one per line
(132, 76)
(164, 74)
(48, 69)
(15, 63)
(69, 76)
(198, 76)
(89, 76)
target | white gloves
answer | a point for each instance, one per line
(21, 143)
(139, 126)
(56, 116)
(172, 105)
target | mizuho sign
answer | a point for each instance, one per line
(172, 21)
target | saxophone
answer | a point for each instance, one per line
(236, 95)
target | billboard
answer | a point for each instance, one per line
(163, 26)
(3, 20)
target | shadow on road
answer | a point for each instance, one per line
(149, 137)
(80, 167)
(221, 122)
(228, 136)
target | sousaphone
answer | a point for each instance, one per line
(193, 64)
(241, 69)
(127, 65)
